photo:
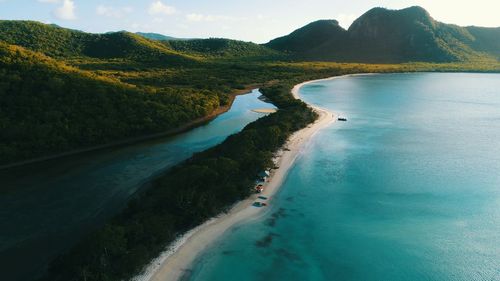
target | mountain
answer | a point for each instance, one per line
(314, 34)
(220, 48)
(60, 42)
(486, 39)
(383, 35)
(157, 36)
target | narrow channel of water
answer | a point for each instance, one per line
(47, 207)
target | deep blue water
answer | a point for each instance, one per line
(46, 207)
(407, 189)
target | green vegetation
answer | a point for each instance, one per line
(205, 185)
(190, 193)
(156, 36)
(385, 36)
(47, 107)
(64, 90)
(222, 48)
(305, 40)
(486, 40)
(60, 43)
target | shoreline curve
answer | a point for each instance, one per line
(173, 263)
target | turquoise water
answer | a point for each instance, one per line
(47, 207)
(407, 189)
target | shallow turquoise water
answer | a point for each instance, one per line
(47, 207)
(407, 189)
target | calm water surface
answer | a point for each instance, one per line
(407, 189)
(46, 207)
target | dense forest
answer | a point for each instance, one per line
(220, 47)
(48, 107)
(200, 188)
(63, 90)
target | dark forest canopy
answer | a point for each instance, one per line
(184, 197)
(64, 89)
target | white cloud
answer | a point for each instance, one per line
(158, 8)
(66, 11)
(345, 20)
(49, 1)
(113, 12)
(195, 17)
(210, 18)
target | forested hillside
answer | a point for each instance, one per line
(222, 48)
(156, 36)
(64, 90)
(211, 182)
(383, 36)
(61, 43)
(48, 107)
(313, 35)
(486, 39)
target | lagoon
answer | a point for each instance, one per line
(47, 207)
(407, 189)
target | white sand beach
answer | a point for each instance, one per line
(173, 263)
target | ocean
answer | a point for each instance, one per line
(407, 189)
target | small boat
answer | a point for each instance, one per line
(342, 118)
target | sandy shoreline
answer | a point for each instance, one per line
(264, 110)
(175, 261)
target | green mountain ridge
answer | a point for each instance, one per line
(60, 42)
(382, 35)
(486, 39)
(220, 47)
(63, 43)
(156, 36)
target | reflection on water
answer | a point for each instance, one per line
(46, 207)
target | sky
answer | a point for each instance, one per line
(253, 20)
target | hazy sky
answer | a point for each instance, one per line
(252, 20)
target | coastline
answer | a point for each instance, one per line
(128, 141)
(173, 263)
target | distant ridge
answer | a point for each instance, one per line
(157, 36)
(383, 35)
(60, 42)
(221, 47)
